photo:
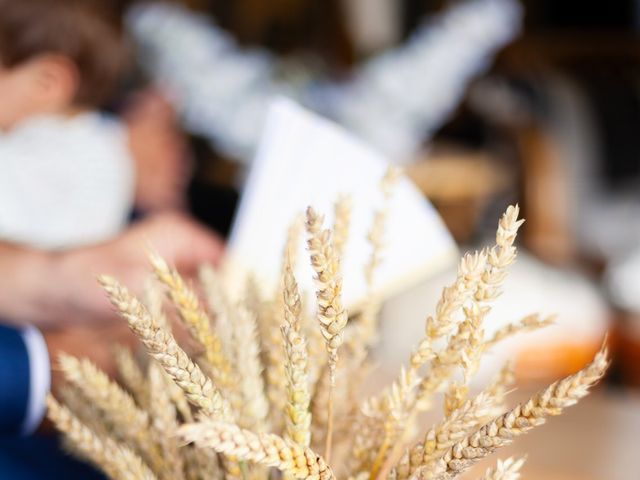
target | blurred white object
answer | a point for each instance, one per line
(64, 182)
(373, 24)
(394, 102)
(622, 281)
(306, 160)
(221, 92)
(404, 95)
(531, 286)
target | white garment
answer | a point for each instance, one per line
(64, 182)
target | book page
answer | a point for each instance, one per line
(305, 160)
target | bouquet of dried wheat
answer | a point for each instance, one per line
(273, 388)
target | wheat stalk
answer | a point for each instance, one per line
(331, 314)
(486, 288)
(401, 398)
(443, 435)
(508, 469)
(129, 422)
(83, 408)
(131, 375)
(367, 328)
(374, 440)
(254, 402)
(528, 323)
(298, 398)
(164, 419)
(197, 321)
(497, 261)
(273, 346)
(274, 361)
(517, 421)
(161, 345)
(378, 226)
(218, 304)
(341, 222)
(116, 460)
(265, 449)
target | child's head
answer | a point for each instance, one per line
(56, 56)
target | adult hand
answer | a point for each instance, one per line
(57, 290)
(179, 240)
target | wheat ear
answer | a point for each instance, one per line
(341, 223)
(401, 398)
(265, 449)
(116, 460)
(375, 236)
(127, 420)
(331, 314)
(444, 434)
(298, 398)
(161, 345)
(497, 260)
(528, 323)
(367, 327)
(196, 320)
(517, 421)
(255, 407)
(484, 289)
(164, 419)
(218, 305)
(508, 469)
(84, 409)
(131, 375)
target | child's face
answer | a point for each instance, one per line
(38, 86)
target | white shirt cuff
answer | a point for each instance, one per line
(39, 378)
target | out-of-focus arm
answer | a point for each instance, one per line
(59, 289)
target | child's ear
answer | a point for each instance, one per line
(56, 81)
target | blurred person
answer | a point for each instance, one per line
(71, 173)
(67, 176)
(394, 101)
(66, 192)
(57, 292)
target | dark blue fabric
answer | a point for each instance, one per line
(40, 457)
(14, 381)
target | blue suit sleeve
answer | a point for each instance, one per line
(14, 381)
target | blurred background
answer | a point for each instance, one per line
(551, 120)
(542, 107)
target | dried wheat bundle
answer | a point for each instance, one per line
(275, 383)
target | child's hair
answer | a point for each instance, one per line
(87, 32)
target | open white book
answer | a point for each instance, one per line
(304, 160)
